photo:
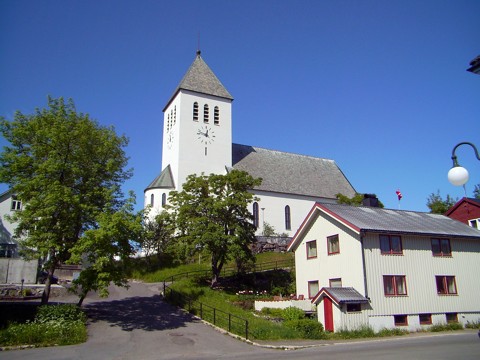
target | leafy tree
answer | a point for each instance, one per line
(67, 170)
(356, 200)
(211, 213)
(268, 230)
(157, 234)
(439, 206)
(476, 191)
(105, 250)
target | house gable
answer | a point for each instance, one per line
(464, 210)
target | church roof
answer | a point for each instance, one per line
(291, 173)
(201, 79)
(163, 181)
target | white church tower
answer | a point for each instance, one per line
(197, 133)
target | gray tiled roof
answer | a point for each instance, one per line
(341, 295)
(401, 221)
(163, 181)
(291, 173)
(200, 78)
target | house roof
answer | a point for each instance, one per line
(465, 200)
(340, 295)
(378, 220)
(163, 181)
(201, 79)
(289, 173)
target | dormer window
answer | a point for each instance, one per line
(195, 111)
(205, 113)
(216, 116)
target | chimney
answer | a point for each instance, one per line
(370, 200)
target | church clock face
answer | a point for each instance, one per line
(206, 135)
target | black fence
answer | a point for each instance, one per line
(217, 317)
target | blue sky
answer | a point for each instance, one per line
(378, 86)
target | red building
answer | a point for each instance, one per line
(467, 210)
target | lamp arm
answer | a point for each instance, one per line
(454, 157)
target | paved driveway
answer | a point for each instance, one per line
(137, 324)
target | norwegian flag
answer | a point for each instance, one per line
(399, 194)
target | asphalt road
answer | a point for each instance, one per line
(137, 324)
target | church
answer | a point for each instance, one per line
(197, 138)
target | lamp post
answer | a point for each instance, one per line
(458, 175)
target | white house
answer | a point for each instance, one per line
(8, 204)
(386, 268)
(197, 138)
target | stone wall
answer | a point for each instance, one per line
(12, 271)
(271, 243)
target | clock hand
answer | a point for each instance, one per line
(206, 133)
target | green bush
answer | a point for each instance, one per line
(62, 312)
(307, 328)
(53, 325)
(364, 331)
(391, 332)
(293, 313)
(472, 325)
(446, 327)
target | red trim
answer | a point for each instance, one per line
(316, 249)
(400, 323)
(328, 244)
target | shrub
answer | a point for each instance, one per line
(446, 327)
(63, 312)
(391, 332)
(307, 328)
(293, 313)
(472, 325)
(364, 331)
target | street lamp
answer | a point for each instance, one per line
(458, 175)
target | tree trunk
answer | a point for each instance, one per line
(48, 285)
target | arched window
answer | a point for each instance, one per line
(255, 214)
(152, 200)
(195, 111)
(288, 224)
(164, 200)
(205, 113)
(216, 116)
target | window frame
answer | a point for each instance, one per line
(391, 250)
(308, 249)
(329, 238)
(397, 319)
(335, 280)
(16, 204)
(394, 285)
(454, 318)
(444, 281)
(164, 199)
(441, 253)
(312, 282)
(255, 215)
(288, 222)
(206, 114)
(216, 116)
(427, 319)
(474, 223)
(195, 111)
(353, 307)
(152, 200)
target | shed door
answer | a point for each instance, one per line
(328, 313)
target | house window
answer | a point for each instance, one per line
(451, 317)
(335, 282)
(152, 200)
(425, 319)
(391, 244)
(288, 224)
(333, 245)
(441, 247)
(400, 320)
(16, 204)
(205, 113)
(164, 199)
(394, 285)
(312, 289)
(475, 223)
(216, 115)
(354, 307)
(255, 214)
(195, 111)
(312, 249)
(446, 285)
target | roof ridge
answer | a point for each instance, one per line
(287, 152)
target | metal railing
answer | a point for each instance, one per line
(217, 317)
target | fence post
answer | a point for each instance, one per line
(164, 295)
(246, 329)
(201, 311)
(214, 316)
(229, 321)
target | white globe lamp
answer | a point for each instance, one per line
(458, 176)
